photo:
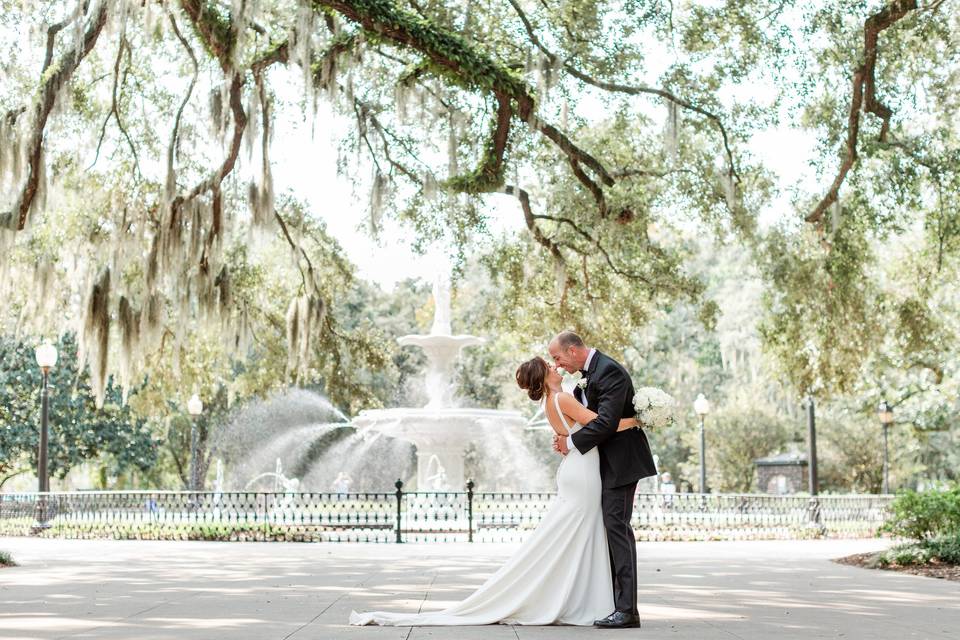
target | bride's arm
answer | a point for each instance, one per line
(557, 429)
(579, 413)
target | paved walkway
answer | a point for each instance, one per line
(274, 591)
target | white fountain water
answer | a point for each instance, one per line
(280, 481)
(442, 432)
(298, 434)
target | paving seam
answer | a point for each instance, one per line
(426, 594)
(326, 608)
(313, 619)
(132, 615)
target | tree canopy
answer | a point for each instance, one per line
(135, 155)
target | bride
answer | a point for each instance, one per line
(561, 573)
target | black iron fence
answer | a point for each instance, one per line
(418, 516)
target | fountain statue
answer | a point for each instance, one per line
(280, 481)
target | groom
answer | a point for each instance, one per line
(624, 458)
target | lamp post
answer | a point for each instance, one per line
(702, 406)
(885, 413)
(47, 358)
(814, 484)
(194, 408)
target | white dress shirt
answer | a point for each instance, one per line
(583, 393)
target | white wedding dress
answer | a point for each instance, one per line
(559, 575)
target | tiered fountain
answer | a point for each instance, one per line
(440, 430)
(424, 447)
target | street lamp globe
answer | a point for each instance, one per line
(194, 405)
(701, 405)
(885, 413)
(46, 356)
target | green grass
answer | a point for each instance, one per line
(6, 560)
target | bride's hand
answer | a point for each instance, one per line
(560, 444)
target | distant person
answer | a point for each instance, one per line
(341, 486)
(667, 487)
(666, 483)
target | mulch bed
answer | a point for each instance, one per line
(932, 570)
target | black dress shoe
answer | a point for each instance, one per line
(618, 620)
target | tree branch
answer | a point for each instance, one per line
(114, 107)
(217, 33)
(175, 133)
(451, 56)
(531, 221)
(383, 132)
(212, 183)
(54, 78)
(595, 244)
(296, 248)
(627, 89)
(865, 96)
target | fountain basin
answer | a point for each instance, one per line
(441, 436)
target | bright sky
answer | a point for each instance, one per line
(307, 165)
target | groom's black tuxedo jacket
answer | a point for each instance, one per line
(625, 456)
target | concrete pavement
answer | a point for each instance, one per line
(276, 591)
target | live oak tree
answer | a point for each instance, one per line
(155, 119)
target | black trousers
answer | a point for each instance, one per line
(617, 506)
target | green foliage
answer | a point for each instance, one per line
(851, 453)
(925, 515)
(737, 435)
(943, 549)
(218, 21)
(481, 372)
(6, 560)
(808, 292)
(112, 437)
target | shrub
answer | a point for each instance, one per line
(925, 515)
(945, 549)
(6, 560)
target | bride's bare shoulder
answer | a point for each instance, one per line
(565, 398)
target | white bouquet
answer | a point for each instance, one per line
(654, 407)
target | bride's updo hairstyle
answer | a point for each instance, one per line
(531, 376)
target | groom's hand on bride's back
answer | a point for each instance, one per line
(560, 444)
